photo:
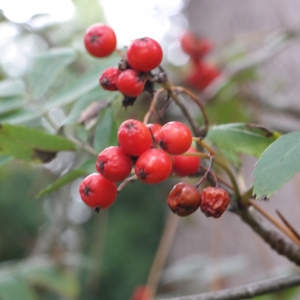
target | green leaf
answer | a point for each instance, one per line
(241, 138)
(277, 165)
(47, 67)
(97, 94)
(13, 288)
(63, 180)
(106, 130)
(19, 116)
(55, 279)
(31, 144)
(10, 88)
(11, 103)
(79, 87)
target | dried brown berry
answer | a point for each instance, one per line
(184, 199)
(214, 201)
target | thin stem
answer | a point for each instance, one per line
(152, 107)
(288, 225)
(281, 227)
(196, 100)
(162, 252)
(126, 182)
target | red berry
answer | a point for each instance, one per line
(186, 165)
(154, 128)
(202, 75)
(134, 137)
(97, 192)
(131, 83)
(175, 138)
(100, 40)
(214, 201)
(196, 47)
(153, 166)
(184, 199)
(114, 164)
(144, 54)
(142, 292)
(108, 79)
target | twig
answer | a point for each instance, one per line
(288, 225)
(281, 227)
(247, 291)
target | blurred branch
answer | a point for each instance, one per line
(247, 291)
(271, 47)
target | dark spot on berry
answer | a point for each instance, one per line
(123, 64)
(163, 145)
(97, 209)
(105, 82)
(94, 38)
(101, 164)
(142, 174)
(86, 190)
(130, 125)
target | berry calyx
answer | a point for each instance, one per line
(97, 192)
(175, 138)
(134, 137)
(184, 199)
(186, 165)
(100, 40)
(154, 129)
(108, 79)
(131, 83)
(114, 164)
(153, 166)
(214, 201)
(144, 54)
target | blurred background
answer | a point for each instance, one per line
(55, 247)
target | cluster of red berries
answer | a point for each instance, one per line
(202, 73)
(152, 152)
(131, 76)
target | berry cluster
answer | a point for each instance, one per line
(147, 152)
(202, 73)
(132, 75)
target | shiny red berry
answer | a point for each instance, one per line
(131, 83)
(108, 79)
(144, 54)
(134, 137)
(202, 75)
(186, 165)
(153, 166)
(114, 164)
(175, 138)
(100, 40)
(184, 199)
(154, 128)
(214, 201)
(97, 192)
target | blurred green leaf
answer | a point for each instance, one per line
(106, 130)
(47, 67)
(277, 165)
(13, 288)
(63, 180)
(81, 86)
(55, 279)
(30, 144)
(11, 87)
(19, 116)
(11, 103)
(4, 159)
(97, 94)
(241, 138)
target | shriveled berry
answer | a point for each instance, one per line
(153, 166)
(108, 79)
(97, 192)
(131, 83)
(214, 201)
(144, 54)
(184, 199)
(100, 40)
(175, 138)
(114, 164)
(186, 165)
(134, 137)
